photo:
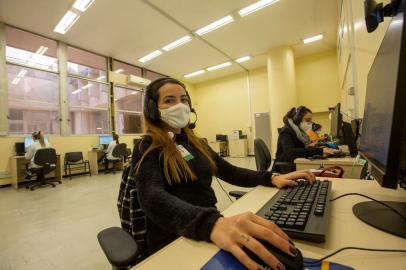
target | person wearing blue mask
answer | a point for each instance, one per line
(173, 176)
(293, 141)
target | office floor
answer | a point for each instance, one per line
(56, 228)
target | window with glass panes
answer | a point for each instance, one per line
(33, 83)
(128, 110)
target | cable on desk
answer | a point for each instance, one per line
(384, 204)
(356, 248)
(218, 181)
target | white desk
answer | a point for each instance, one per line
(18, 170)
(351, 168)
(344, 230)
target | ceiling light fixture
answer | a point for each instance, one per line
(87, 86)
(41, 50)
(243, 59)
(16, 81)
(82, 5)
(215, 25)
(194, 73)
(313, 39)
(226, 64)
(177, 43)
(118, 70)
(255, 7)
(101, 78)
(77, 91)
(22, 73)
(150, 56)
(66, 22)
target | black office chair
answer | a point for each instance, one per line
(46, 158)
(119, 152)
(263, 161)
(74, 160)
(126, 246)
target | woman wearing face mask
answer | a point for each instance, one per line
(174, 171)
(293, 141)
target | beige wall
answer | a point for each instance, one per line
(61, 144)
(223, 104)
(317, 81)
(366, 46)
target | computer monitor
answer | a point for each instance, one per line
(104, 140)
(383, 140)
(336, 119)
(349, 138)
(28, 140)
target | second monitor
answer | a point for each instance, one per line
(105, 139)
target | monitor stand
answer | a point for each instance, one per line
(381, 217)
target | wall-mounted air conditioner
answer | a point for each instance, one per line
(137, 81)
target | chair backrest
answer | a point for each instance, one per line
(119, 150)
(46, 158)
(73, 157)
(263, 158)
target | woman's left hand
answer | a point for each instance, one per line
(289, 179)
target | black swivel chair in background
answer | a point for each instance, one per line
(263, 161)
(119, 152)
(46, 158)
(74, 160)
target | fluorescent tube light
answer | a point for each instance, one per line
(313, 39)
(87, 86)
(118, 70)
(41, 50)
(66, 22)
(101, 78)
(226, 64)
(213, 26)
(150, 56)
(194, 73)
(16, 81)
(22, 73)
(82, 5)
(77, 91)
(177, 43)
(243, 59)
(255, 7)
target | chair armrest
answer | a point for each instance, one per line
(237, 194)
(119, 247)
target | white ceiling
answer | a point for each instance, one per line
(130, 29)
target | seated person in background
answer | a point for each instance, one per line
(173, 176)
(315, 133)
(109, 152)
(39, 143)
(293, 141)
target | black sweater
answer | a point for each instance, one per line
(186, 209)
(290, 147)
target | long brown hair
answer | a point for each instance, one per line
(175, 168)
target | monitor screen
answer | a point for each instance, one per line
(28, 140)
(384, 114)
(336, 119)
(105, 139)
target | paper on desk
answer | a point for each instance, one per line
(223, 260)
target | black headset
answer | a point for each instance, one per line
(151, 110)
(297, 118)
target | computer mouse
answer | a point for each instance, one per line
(290, 263)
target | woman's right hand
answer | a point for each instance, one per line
(234, 233)
(329, 151)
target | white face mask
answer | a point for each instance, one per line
(305, 126)
(176, 116)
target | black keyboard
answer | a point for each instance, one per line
(302, 212)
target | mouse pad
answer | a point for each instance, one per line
(223, 260)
